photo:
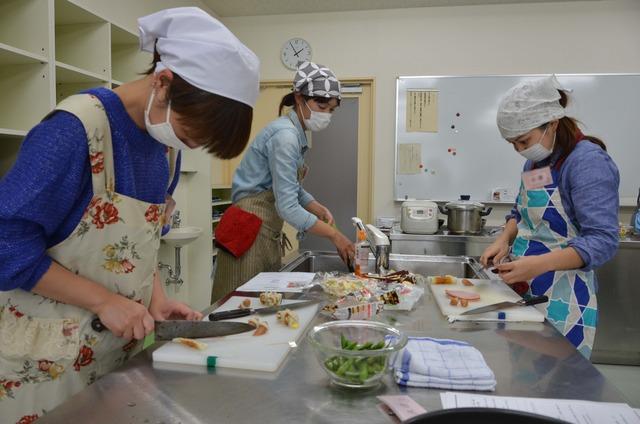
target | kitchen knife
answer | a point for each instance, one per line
(237, 313)
(504, 305)
(170, 329)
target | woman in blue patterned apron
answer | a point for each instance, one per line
(267, 187)
(82, 209)
(565, 221)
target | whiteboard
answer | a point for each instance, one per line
(467, 155)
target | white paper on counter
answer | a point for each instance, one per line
(573, 411)
(278, 281)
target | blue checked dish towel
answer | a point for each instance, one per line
(442, 364)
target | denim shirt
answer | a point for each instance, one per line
(272, 163)
(588, 182)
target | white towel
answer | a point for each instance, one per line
(442, 364)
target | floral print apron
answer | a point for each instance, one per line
(49, 351)
(543, 227)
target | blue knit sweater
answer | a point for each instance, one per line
(43, 196)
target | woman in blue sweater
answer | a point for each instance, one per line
(82, 209)
(565, 222)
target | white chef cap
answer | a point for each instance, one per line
(202, 51)
(529, 105)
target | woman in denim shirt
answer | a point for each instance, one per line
(565, 222)
(267, 185)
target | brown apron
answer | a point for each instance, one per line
(263, 256)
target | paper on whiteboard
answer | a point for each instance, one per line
(278, 281)
(409, 158)
(422, 111)
(573, 411)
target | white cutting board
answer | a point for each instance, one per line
(244, 351)
(490, 291)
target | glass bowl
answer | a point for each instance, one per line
(355, 353)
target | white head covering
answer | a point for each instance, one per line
(528, 105)
(202, 51)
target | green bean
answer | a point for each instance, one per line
(378, 345)
(366, 346)
(344, 367)
(360, 368)
(364, 372)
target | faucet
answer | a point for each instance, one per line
(378, 243)
(173, 273)
(176, 221)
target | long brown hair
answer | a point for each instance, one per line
(219, 124)
(289, 100)
(568, 133)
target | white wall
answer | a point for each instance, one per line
(126, 12)
(572, 37)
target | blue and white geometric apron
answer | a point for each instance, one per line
(544, 227)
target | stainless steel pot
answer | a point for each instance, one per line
(464, 216)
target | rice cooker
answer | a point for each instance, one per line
(419, 217)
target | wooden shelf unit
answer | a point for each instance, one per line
(49, 50)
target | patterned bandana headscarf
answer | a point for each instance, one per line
(316, 80)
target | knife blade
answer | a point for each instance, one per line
(237, 313)
(170, 329)
(504, 305)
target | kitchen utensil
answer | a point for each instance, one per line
(355, 367)
(504, 305)
(243, 351)
(170, 329)
(490, 291)
(238, 313)
(419, 217)
(464, 216)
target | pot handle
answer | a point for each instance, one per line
(443, 209)
(486, 211)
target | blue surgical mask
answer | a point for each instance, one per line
(538, 152)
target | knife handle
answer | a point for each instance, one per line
(97, 325)
(235, 313)
(536, 300)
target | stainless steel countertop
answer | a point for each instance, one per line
(528, 359)
(630, 242)
(487, 235)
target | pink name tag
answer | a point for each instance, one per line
(402, 406)
(537, 178)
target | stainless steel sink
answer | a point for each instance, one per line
(458, 266)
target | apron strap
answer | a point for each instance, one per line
(90, 111)
(285, 243)
(172, 159)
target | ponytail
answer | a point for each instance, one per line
(568, 133)
(288, 101)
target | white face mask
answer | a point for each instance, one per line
(538, 152)
(162, 132)
(317, 120)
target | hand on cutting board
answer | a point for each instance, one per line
(125, 318)
(166, 308)
(524, 268)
